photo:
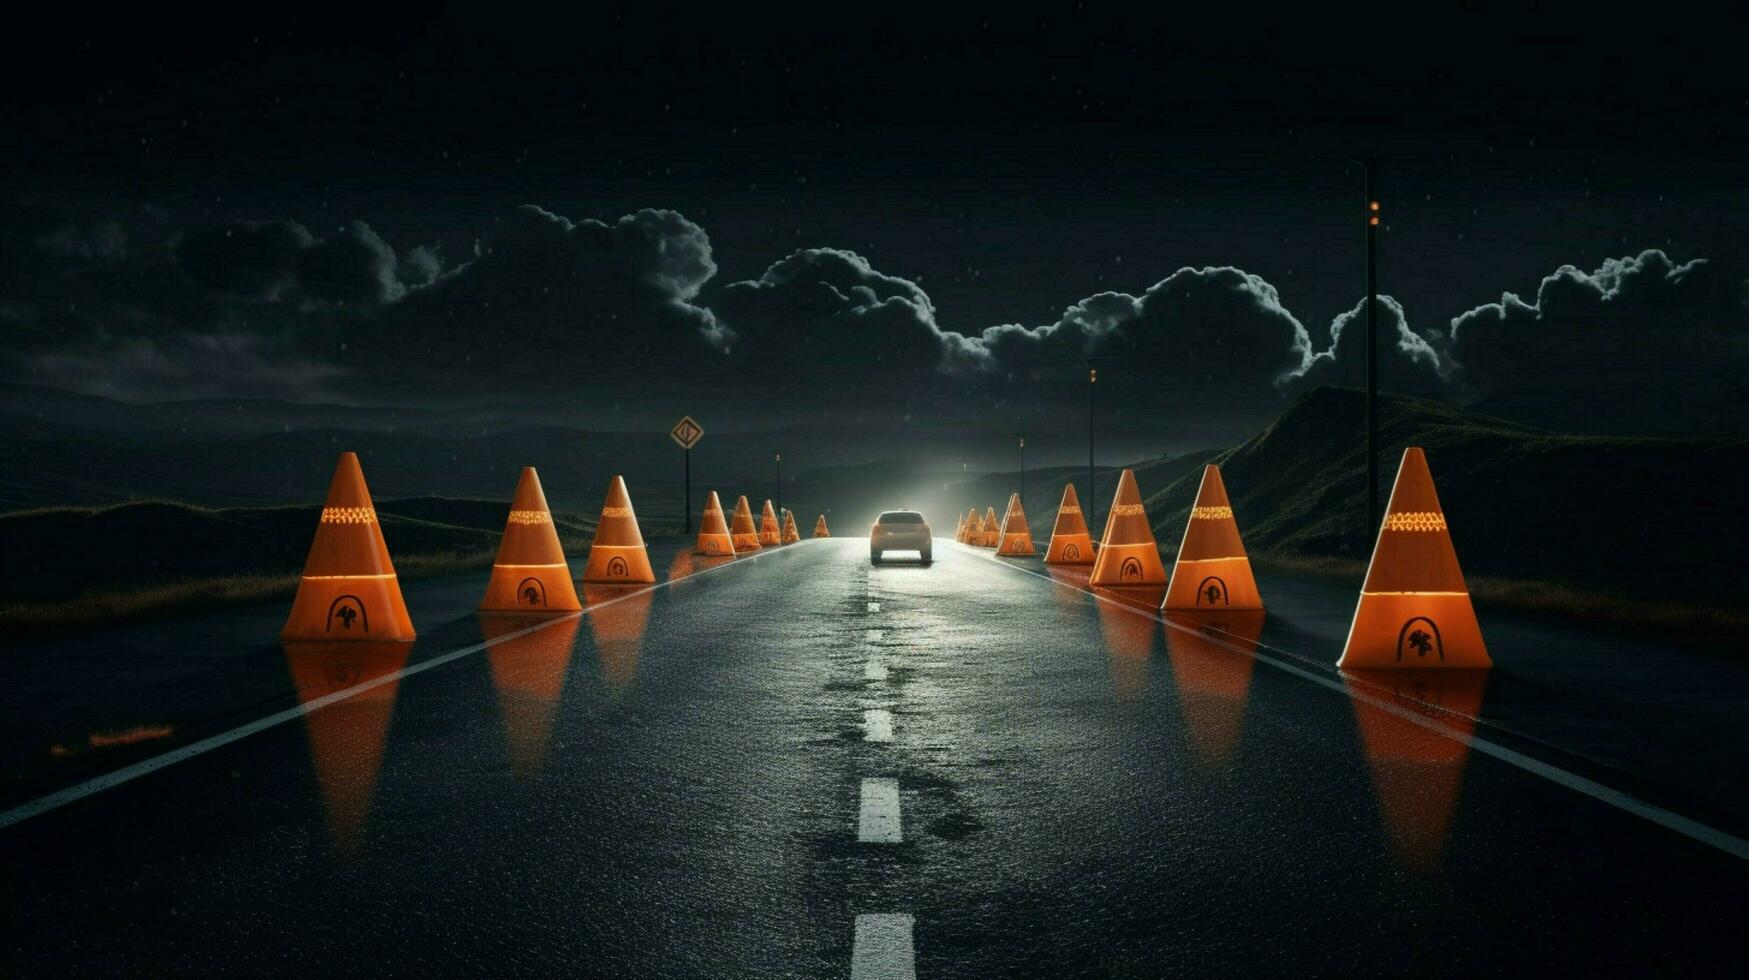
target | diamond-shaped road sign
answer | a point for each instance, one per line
(686, 432)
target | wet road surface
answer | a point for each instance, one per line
(806, 765)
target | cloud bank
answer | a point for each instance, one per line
(546, 306)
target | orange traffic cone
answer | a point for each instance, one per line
(1015, 538)
(1070, 542)
(989, 529)
(790, 534)
(530, 574)
(1414, 609)
(820, 528)
(742, 533)
(713, 531)
(617, 554)
(770, 532)
(1212, 571)
(349, 590)
(1128, 554)
(971, 526)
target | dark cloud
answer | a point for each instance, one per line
(275, 261)
(1408, 362)
(827, 311)
(1202, 348)
(1630, 317)
(547, 304)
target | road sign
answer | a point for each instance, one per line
(686, 432)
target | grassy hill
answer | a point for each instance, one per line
(1644, 519)
(71, 566)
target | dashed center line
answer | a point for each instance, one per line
(875, 636)
(877, 725)
(874, 670)
(874, 607)
(883, 949)
(878, 822)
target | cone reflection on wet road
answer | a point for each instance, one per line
(1417, 771)
(618, 628)
(1211, 664)
(346, 737)
(528, 673)
(1128, 624)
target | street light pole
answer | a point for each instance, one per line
(779, 458)
(1022, 472)
(1372, 353)
(1092, 493)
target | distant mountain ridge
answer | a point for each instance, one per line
(1658, 519)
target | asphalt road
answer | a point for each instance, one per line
(802, 764)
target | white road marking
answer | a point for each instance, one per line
(874, 607)
(883, 949)
(875, 636)
(109, 780)
(874, 670)
(877, 725)
(1693, 829)
(878, 823)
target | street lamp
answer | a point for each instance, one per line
(779, 458)
(1023, 473)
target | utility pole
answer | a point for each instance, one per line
(1372, 352)
(1092, 505)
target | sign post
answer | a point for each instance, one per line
(686, 434)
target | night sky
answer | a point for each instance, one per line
(890, 211)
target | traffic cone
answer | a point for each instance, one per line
(990, 530)
(1070, 542)
(1128, 554)
(770, 532)
(618, 554)
(1414, 609)
(713, 531)
(530, 573)
(1015, 538)
(790, 534)
(820, 528)
(743, 535)
(349, 590)
(1212, 571)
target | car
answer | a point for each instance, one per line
(900, 530)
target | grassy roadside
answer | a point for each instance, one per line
(1684, 622)
(161, 600)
